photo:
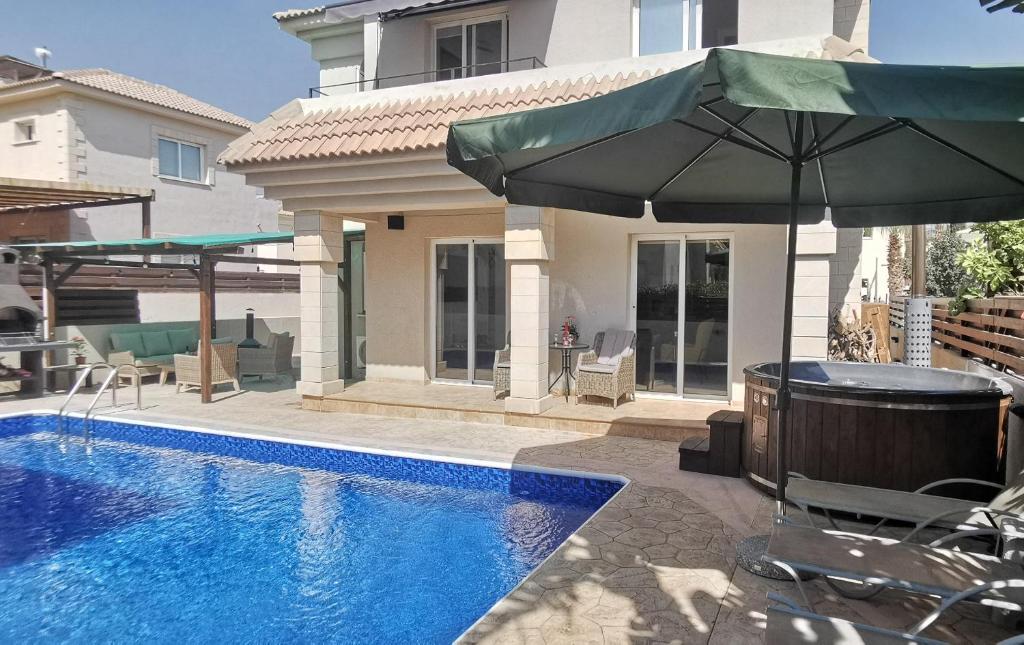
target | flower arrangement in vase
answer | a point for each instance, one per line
(570, 331)
(79, 350)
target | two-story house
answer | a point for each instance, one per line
(452, 272)
(99, 127)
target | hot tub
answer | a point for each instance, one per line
(889, 426)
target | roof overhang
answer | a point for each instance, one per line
(33, 196)
(223, 242)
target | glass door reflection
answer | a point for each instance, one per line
(452, 330)
(657, 316)
(706, 312)
(470, 308)
(489, 308)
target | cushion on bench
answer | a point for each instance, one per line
(157, 343)
(128, 342)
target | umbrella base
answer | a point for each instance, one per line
(750, 555)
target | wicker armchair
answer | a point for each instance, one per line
(608, 370)
(272, 360)
(187, 371)
(503, 368)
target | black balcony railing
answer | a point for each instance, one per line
(429, 76)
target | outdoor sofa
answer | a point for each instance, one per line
(152, 352)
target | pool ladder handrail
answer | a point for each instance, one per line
(112, 377)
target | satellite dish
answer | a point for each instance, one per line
(43, 54)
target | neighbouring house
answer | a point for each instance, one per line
(452, 272)
(96, 127)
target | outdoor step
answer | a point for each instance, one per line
(717, 451)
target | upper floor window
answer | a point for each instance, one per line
(662, 26)
(467, 48)
(180, 160)
(25, 131)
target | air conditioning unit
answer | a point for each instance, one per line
(361, 352)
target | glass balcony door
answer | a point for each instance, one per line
(470, 48)
(682, 334)
(469, 309)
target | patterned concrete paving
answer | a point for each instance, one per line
(655, 565)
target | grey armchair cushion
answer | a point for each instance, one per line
(597, 368)
(503, 365)
(616, 345)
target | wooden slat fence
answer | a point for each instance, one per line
(156, 280)
(991, 329)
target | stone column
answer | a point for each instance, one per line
(319, 248)
(529, 249)
(815, 247)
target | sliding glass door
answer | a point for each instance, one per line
(682, 334)
(469, 318)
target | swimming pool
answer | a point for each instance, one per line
(160, 534)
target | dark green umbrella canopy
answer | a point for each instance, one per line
(715, 142)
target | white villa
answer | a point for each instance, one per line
(451, 271)
(88, 127)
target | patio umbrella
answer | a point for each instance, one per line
(743, 137)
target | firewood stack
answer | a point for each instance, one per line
(850, 339)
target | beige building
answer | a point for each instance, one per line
(452, 271)
(98, 127)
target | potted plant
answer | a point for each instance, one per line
(79, 350)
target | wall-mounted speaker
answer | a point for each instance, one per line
(396, 222)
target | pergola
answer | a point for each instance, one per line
(210, 249)
(34, 196)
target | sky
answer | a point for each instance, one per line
(231, 53)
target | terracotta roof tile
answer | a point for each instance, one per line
(138, 89)
(415, 118)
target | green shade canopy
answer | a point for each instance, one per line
(183, 243)
(714, 142)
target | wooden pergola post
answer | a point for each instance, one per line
(918, 242)
(206, 327)
(147, 224)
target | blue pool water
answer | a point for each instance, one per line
(162, 535)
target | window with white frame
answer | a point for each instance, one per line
(180, 160)
(663, 26)
(474, 47)
(25, 131)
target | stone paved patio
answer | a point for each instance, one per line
(655, 565)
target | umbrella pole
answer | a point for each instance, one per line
(782, 396)
(750, 551)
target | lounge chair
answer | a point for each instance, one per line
(187, 370)
(877, 563)
(918, 507)
(788, 624)
(609, 369)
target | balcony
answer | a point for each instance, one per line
(428, 76)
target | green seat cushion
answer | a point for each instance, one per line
(157, 343)
(128, 342)
(222, 341)
(182, 340)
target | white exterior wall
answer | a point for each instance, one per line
(589, 278)
(120, 149)
(44, 159)
(846, 272)
(852, 21)
(557, 32)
